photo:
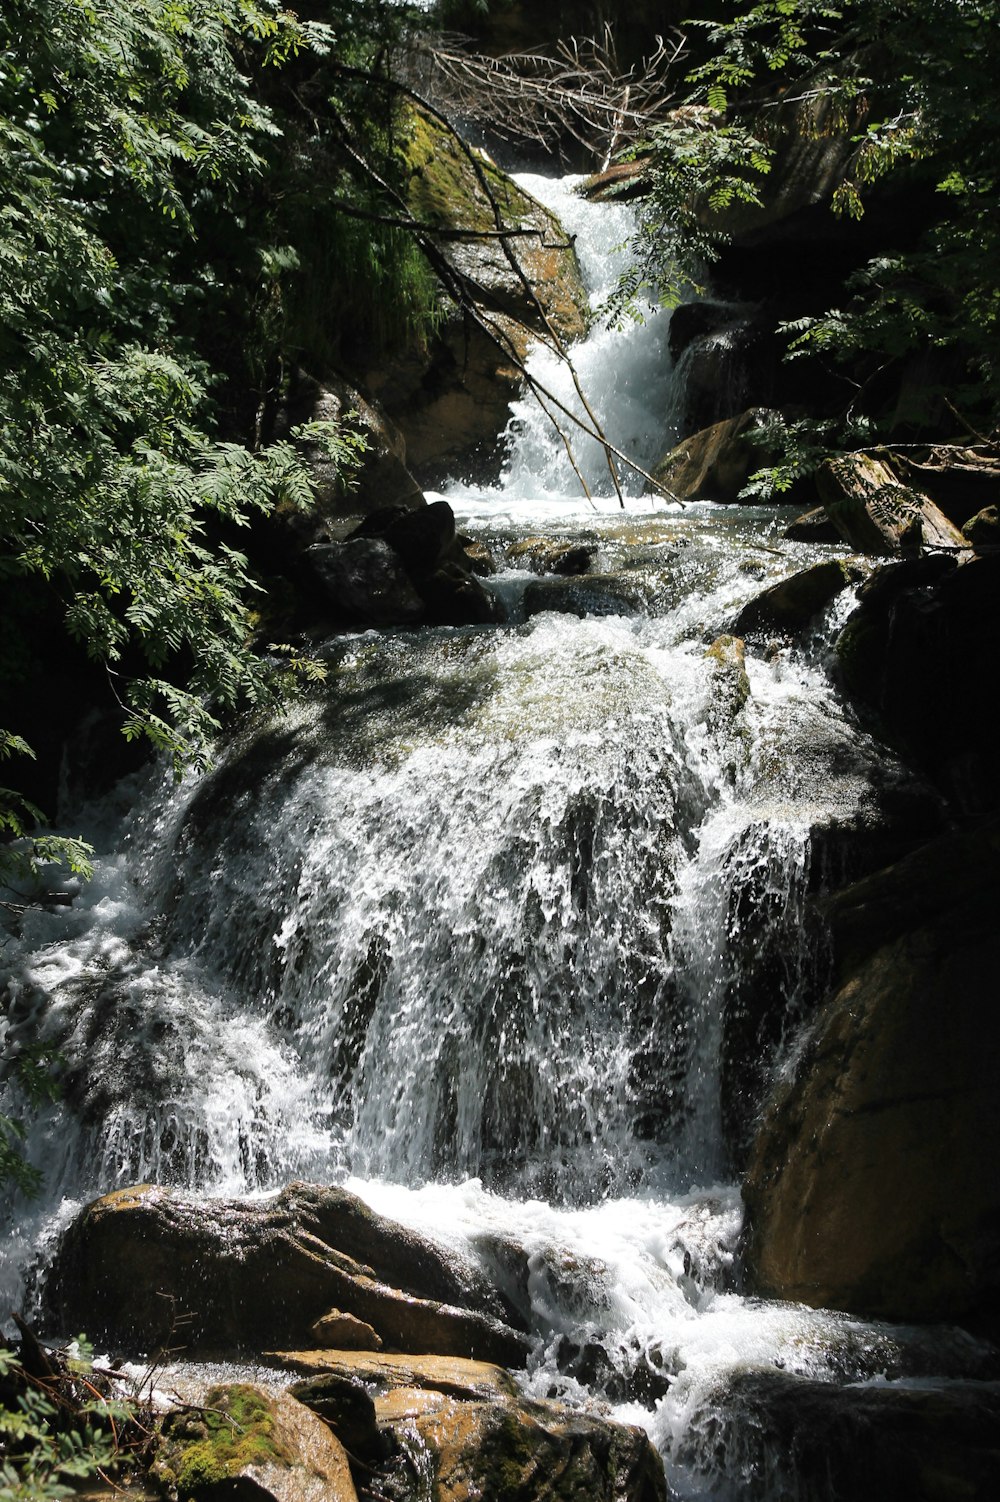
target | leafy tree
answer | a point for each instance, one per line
(920, 75)
(130, 135)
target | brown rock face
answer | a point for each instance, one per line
(469, 1435)
(715, 463)
(450, 399)
(144, 1266)
(874, 1184)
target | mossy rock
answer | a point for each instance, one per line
(241, 1441)
(445, 188)
(234, 1430)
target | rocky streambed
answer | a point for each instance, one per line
(593, 929)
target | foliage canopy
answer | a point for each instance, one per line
(911, 83)
(134, 136)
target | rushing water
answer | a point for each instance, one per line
(478, 932)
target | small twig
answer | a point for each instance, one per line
(979, 437)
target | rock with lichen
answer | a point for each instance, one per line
(239, 1440)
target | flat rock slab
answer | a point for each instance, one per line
(446, 1374)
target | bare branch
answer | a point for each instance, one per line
(577, 92)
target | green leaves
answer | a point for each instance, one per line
(701, 167)
(913, 82)
(130, 136)
(42, 1458)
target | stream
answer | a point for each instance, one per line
(508, 932)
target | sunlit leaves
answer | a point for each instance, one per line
(124, 127)
(914, 85)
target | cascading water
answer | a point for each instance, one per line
(506, 931)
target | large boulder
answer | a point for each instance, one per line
(589, 594)
(781, 1436)
(451, 398)
(874, 1182)
(919, 654)
(146, 1267)
(547, 555)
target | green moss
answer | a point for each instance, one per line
(508, 1458)
(443, 187)
(235, 1429)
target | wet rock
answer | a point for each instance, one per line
(238, 1441)
(546, 556)
(791, 604)
(619, 1373)
(875, 513)
(477, 557)
(917, 654)
(715, 463)
(729, 691)
(453, 597)
(468, 1433)
(886, 904)
(533, 1452)
(716, 349)
(344, 1332)
(784, 1436)
(245, 1275)
(593, 594)
(874, 1183)
(812, 526)
(983, 529)
(365, 582)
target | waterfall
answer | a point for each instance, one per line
(625, 372)
(508, 930)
